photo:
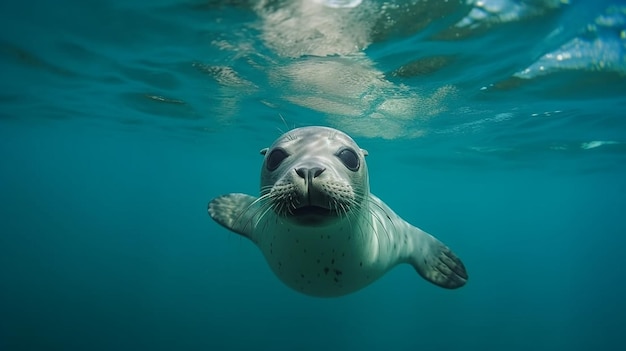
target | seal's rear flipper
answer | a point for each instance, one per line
(235, 212)
(436, 263)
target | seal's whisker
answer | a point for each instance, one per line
(279, 208)
(362, 232)
(384, 211)
(359, 219)
(382, 225)
(365, 204)
(376, 215)
(354, 205)
(262, 216)
(245, 210)
(261, 209)
(354, 217)
(346, 214)
(265, 190)
(344, 210)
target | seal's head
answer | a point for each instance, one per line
(314, 176)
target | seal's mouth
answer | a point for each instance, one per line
(311, 210)
(311, 215)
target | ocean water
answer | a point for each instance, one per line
(496, 125)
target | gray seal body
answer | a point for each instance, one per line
(319, 228)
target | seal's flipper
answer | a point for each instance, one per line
(436, 263)
(235, 212)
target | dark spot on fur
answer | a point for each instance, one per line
(297, 241)
(328, 236)
(343, 254)
(304, 250)
(332, 261)
(336, 280)
(338, 272)
(318, 260)
(326, 270)
(301, 275)
(361, 264)
(309, 282)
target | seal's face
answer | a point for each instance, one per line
(314, 176)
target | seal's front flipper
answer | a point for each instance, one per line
(235, 212)
(436, 263)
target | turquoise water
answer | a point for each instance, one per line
(496, 125)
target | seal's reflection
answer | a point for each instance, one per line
(332, 74)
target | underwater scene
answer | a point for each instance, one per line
(131, 130)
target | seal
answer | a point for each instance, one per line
(321, 231)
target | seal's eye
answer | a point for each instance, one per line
(275, 158)
(349, 159)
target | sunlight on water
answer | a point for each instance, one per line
(488, 12)
(339, 3)
(600, 46)
(326, 59)
(393, 70)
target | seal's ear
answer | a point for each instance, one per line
(364, 152)
(264, 151)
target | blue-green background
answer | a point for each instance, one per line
(105, 243)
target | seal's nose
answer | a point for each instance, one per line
(309, 173)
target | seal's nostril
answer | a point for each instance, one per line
(302, 172)
(317, 171)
